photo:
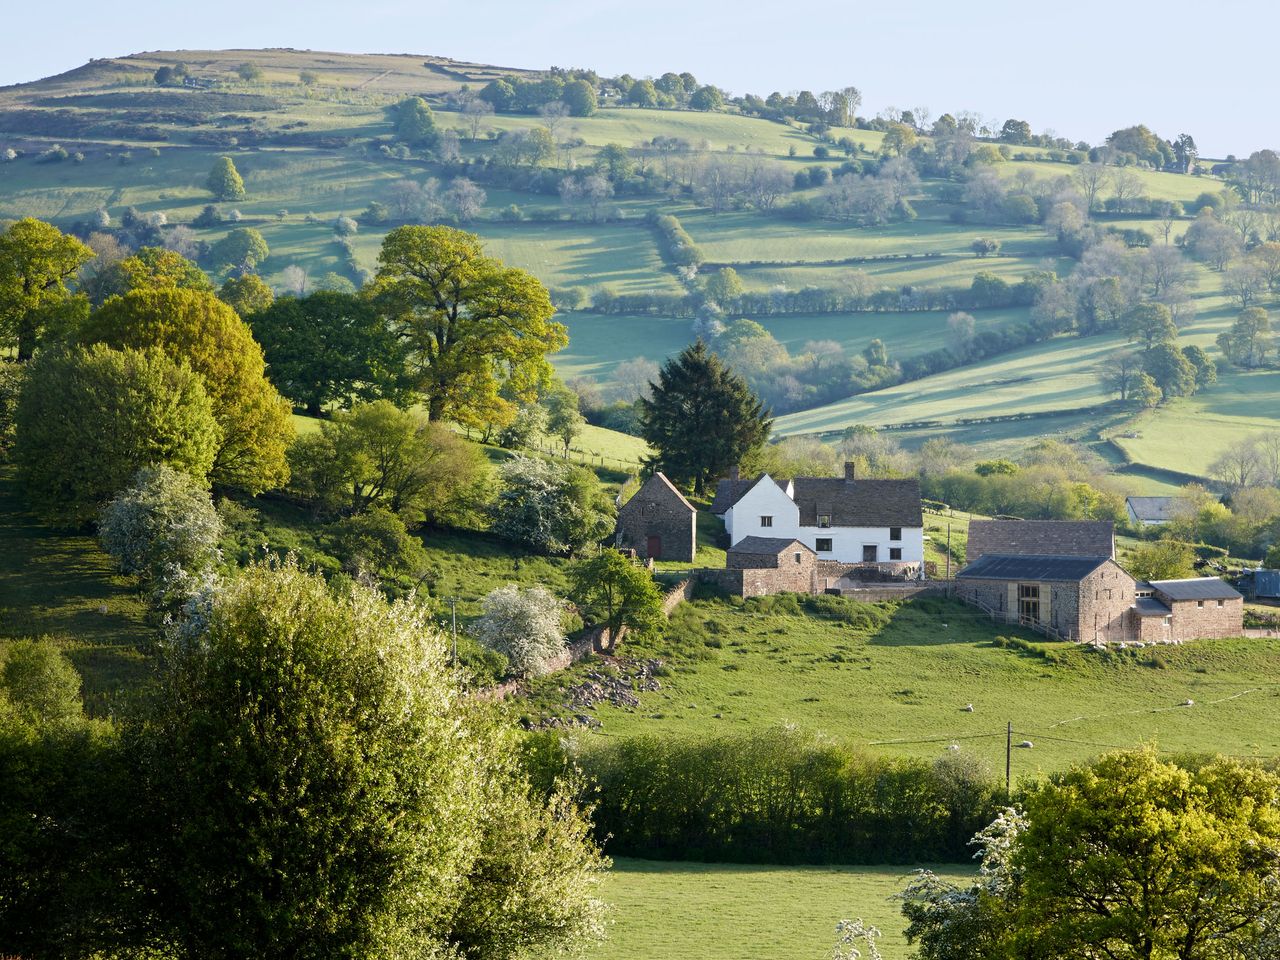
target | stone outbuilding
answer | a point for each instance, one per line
(760, 566)
(1193, 609)
(658, 523)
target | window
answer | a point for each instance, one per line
(799, 558)
(824, 520)
(895, 553)
(1200, 604)
(895, 533)
(823, 545)
(766, 521)
(1222, 603)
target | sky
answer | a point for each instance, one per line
(1080, 69)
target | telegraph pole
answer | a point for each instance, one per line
(948, 558)
(453, 606)
(1008, 761)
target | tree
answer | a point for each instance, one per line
(1248, 341)
(12, 378)
(376, 541)
(875, 353)
(329, 348)
(525, 626)
(701, 419)
(580, 97)
(616, 594)
(898, 140)
(1238, 465)
(1170, 369)
(961, 328)
(1119, 373)
(313, 744)
(247, 294)
(1135, 857)
(499, 94)
(199, 329)
(471, 325)
(150, 267)
(87, 420)
(643, 94)
(249, 72)
(1016, 132)
(163, 529)
(616, 160)
(415, 123)
(550, 506)
(170, 74)
(564, 419)
(1161, 560)
(1206, 370)
(224, 180)
(707, 98)
(36, 261)
(724, 287)
(464, 199)
(1090, 177)
(985, 247)
(1150, 324)
(1145, 392)
(375, 455)
(243, 248)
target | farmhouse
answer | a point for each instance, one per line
(658, 522)
(1060, 577)
(1152, 511)
(871, 523)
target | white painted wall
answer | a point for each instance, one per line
(767, 499)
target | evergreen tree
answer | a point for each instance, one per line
(224, 180)
(702, 419)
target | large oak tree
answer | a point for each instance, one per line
(36, 261)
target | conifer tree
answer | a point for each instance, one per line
(702, 418)
(224, 180)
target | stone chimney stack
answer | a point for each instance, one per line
(734, 472)
(850, 471)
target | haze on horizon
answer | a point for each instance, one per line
(1081, 71)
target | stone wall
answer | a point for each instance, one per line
(1192, 622)
(656, 511)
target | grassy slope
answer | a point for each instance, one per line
(736, 668)
(62, 586)
(732, 912)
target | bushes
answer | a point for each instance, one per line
(782, 796)
(676, 243)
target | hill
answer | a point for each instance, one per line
(313, 136)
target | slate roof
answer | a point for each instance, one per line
(729, 492)
(766, 546)
(658, 487)
(1198, 588)
(995, 566)
(849, 503)
(1150, 607)
(859, 503)
(1042, 538)
(1154, 509)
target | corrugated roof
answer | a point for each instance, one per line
(1153, 509)
(1198, 588)
(859, 503)
(1150, 607)
(1043, 538)
(995, 566)
(766, 546)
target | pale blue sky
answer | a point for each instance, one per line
(1079, 67)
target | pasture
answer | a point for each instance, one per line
(895, 679)
(664, 911)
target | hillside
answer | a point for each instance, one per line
(316, 150)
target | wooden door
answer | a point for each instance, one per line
(653, 548)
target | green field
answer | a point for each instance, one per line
(896, 679)
(664, 911)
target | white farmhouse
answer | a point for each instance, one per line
(843, 519)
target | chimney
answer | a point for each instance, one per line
(734, 472)
(850, 471)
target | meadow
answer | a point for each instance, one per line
(897, 678)
(735, 912)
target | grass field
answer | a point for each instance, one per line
(61, 586)
(895, 679)
(665, 911)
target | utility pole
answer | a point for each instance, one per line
(948, 558)
(453, 606)
(1008, 761)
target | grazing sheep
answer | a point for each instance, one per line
(1026, 744)
(967, 708)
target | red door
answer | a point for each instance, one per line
(654, 548)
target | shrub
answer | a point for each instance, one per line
(552, 507)
(525, 626)
(163, 529)
(345, 227)
(12, 377)
(377, 541)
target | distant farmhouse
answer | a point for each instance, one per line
(842, 519)
(1060, 577)
(658, 523)
(1152, 511)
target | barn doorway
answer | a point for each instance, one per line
(1029, 602)
(653, 548)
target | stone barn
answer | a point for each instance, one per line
(1194, 609)
(658, 523)
(760, 566)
